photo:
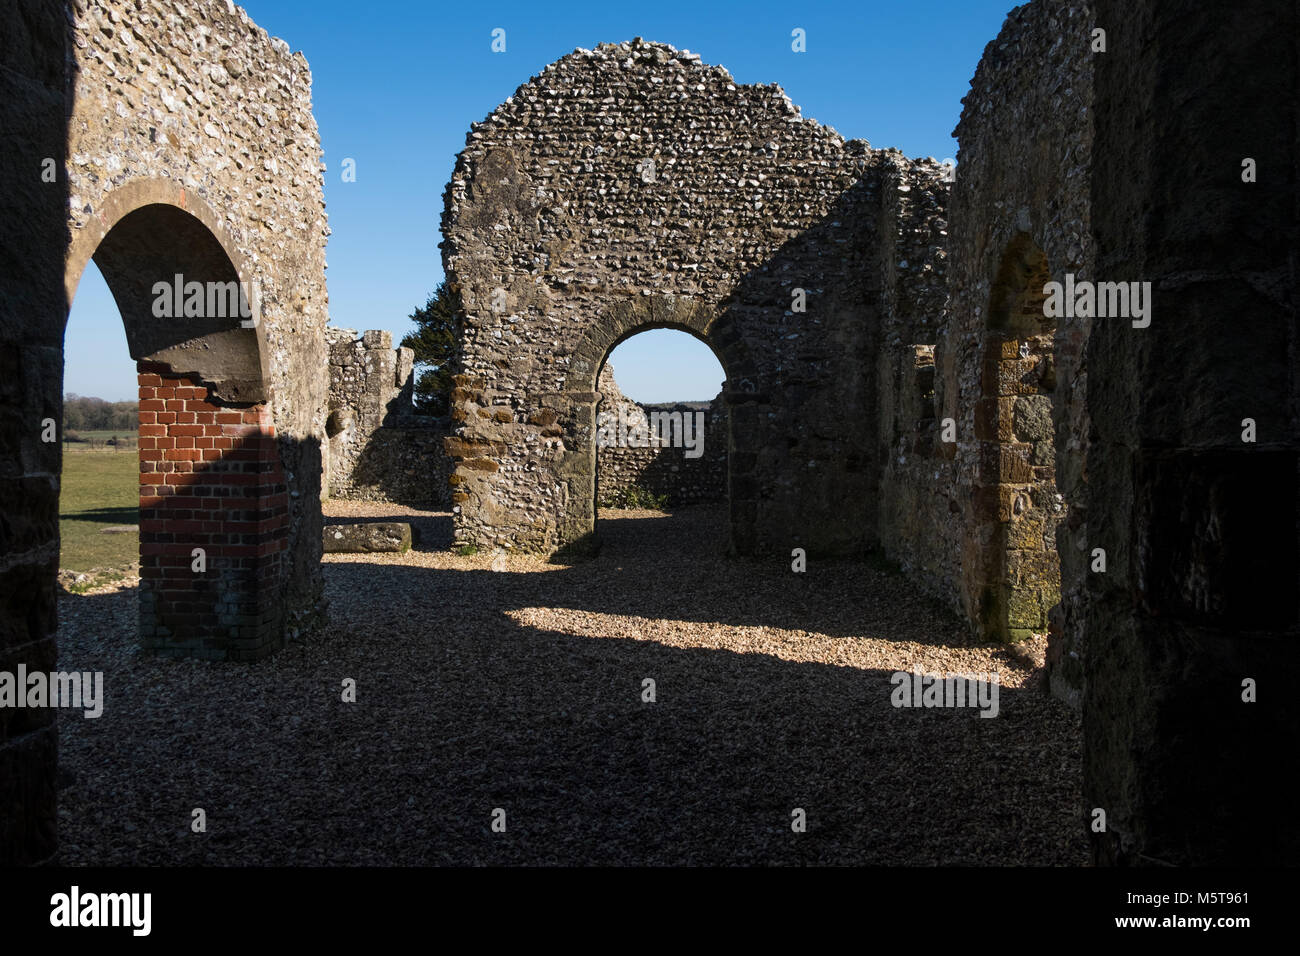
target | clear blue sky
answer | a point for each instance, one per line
(397, 83)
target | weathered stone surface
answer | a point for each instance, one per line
(379, 448)
(181, 141)
(632, 187)
(922, 403)
(1010, 386)
(368, 536)
(1200, 527)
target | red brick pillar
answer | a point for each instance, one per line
(211, 481)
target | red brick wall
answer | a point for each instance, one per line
(210, 478)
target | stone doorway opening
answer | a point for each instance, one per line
(213, 501)
(662, 431)
(1017, 504)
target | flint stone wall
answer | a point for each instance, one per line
(379, 448)
(199, 109)
(632, 187)
(1021, 202)
(980, 519)
(920, 512)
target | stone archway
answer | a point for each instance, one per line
(1016, 504)
(141, 230)
(106, 151)
(580, 397)
(213, 494)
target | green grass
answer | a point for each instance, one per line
(99, 489)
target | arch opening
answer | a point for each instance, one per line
(212, 495)
(1017, 506)
(182, 299)
(662, 433)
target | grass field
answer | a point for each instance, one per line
(99, 489)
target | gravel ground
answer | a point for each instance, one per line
(494, 681)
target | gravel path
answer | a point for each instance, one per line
(521, 688)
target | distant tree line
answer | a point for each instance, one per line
(82, 413)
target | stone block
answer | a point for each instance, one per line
(367, 537)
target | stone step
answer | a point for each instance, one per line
(372, 536)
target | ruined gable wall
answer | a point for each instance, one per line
(553, 202)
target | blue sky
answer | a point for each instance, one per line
(397, 83)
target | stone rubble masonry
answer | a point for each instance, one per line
(632, 187)
(562, 246)
(661, 470)
(1200, 527)
(379, 448)
(919, 511)
(979, 520)
(1020, 214)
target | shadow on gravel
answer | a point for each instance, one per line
(460, 710)
(675, 567)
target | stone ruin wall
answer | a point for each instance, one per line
(661, 470)
(919, 512)
(845, 427)
(980, 520)
(199, 109)
(379, 448)
(1016, 387)
(1200, 527)
(161, 111)
(563, 240)
(182, 141)
(976, 518)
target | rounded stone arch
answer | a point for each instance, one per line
(620, 322)
(151, 230)
(213, 487)
(579, 397)
(1014, 579)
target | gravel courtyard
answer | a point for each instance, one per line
(501, 682)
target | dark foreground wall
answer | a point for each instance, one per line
(33, 45)
(1200, 594)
